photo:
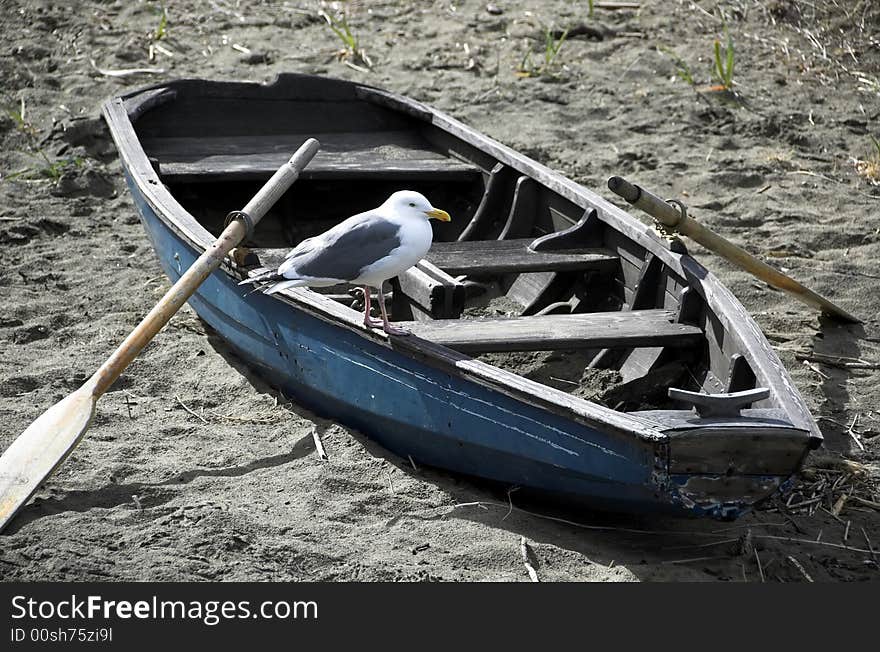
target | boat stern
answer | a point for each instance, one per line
(722, 467)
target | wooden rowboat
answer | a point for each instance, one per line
(558, 344)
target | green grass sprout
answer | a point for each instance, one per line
(552, 45)
(682, 69)
(724, 63)
(351, 48)
(48, 169)
(870, 167)
(162, 29)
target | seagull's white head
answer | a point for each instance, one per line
(411, 204)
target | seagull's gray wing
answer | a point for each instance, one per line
(344, 251)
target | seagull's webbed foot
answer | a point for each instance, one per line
(369, 322)
(386, 325)
(391, 330)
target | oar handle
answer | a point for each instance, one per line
(209, 261)
(675, 217)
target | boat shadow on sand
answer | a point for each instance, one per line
(650, 546)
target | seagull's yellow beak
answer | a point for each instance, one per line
(438, 214)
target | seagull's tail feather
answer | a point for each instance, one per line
(266, 277)
(283, 285)
(271, 282)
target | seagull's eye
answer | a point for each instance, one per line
(412, 204)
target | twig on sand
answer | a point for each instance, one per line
(837, 361)
(760, 568)
(866, 502)
(390, 483)
(852, 433)
(868, 541)
(797, 565)
(810, 173)
(838, 504)
(484, 504)
(691, 546)
(126, 72)
(810, 365)
(712, 16)
(412, 462)
(509, 502)
(524, 551)
(195, 414)
(319, 445)
(154, 279)
(354, 66)
(611, 6)
(691, 560)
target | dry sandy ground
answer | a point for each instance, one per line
(193, 471)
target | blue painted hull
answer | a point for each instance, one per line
(417, 410)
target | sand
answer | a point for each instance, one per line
(193, 469)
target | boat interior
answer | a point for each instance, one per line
(521, 278)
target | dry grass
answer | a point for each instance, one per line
(869, 168)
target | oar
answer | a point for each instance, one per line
(41, 448)
(675, 217)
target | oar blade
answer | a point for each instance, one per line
(41, 448)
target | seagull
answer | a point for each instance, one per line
(366, 249)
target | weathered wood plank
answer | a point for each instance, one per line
(551, 332)
(260, 166)
(398, 154)
(435, 292)
(513, 256)
(405, 142)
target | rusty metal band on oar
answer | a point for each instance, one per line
(46, 442)
(673, 214)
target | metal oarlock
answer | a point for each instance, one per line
(665, 213)
(245, 219)
(670, 231)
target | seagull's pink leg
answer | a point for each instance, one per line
(369, 322)
(386, 325)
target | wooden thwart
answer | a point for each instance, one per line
(554, 332)
(514, 256)
(381, 154)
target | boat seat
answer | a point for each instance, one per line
(388, 155)
(596, 330)
(428, 291)
(515, 257)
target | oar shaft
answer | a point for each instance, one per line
(670, 216)
(209, 261)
